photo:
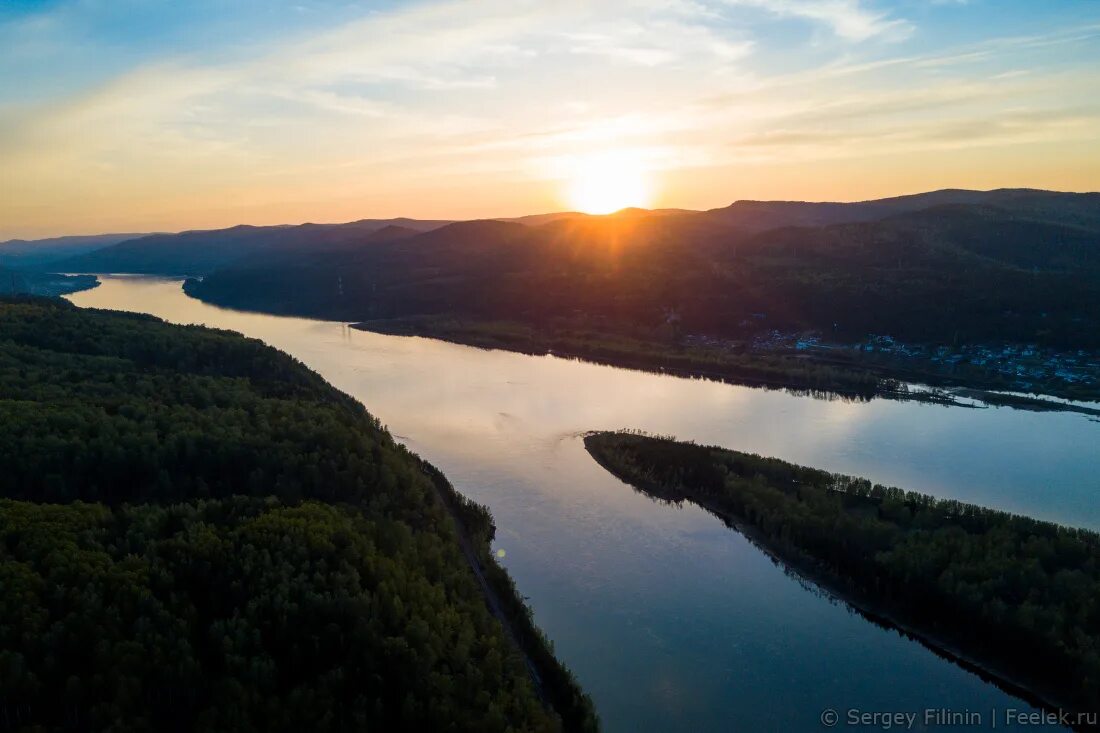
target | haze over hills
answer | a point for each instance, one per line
(38, 253)
(200, 251)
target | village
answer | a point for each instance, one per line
(1023, 367)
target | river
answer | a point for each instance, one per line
(671, 621)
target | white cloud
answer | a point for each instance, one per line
(849, 19)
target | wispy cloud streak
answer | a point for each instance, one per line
(467, 107)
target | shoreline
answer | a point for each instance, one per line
(947, 395)
(554, 683)
(806, 570)
(861, 383)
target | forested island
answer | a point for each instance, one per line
(198, 533)
(29, 282)
(1009, 595)
(833, 373)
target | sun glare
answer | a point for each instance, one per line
(607, 182)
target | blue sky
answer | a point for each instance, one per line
(147, 114)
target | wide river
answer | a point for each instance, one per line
(671, 621)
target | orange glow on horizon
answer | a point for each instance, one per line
(604, 183)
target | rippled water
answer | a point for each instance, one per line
(670, 620)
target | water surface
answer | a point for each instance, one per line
(671, 621)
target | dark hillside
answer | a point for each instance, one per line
(199, 533)
(953, 274)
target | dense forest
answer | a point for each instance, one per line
(197, 533)
(1015, 595)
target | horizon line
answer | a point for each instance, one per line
(562, 212)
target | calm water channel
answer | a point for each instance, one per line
(671, 621)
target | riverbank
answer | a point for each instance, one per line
(18, 282)
(556, 686)
(801, 374)
(710, 477)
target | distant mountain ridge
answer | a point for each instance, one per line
(1016, 265)
(32, 254)
(755, 216)
(1010, 264)
(200, 251)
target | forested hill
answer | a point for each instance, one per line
(1024, 269)
(1078, 209)
(199, 533)
(198, 252)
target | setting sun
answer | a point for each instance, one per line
(608, 182)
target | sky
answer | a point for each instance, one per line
(159, 115)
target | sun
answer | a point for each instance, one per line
(603, 183)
